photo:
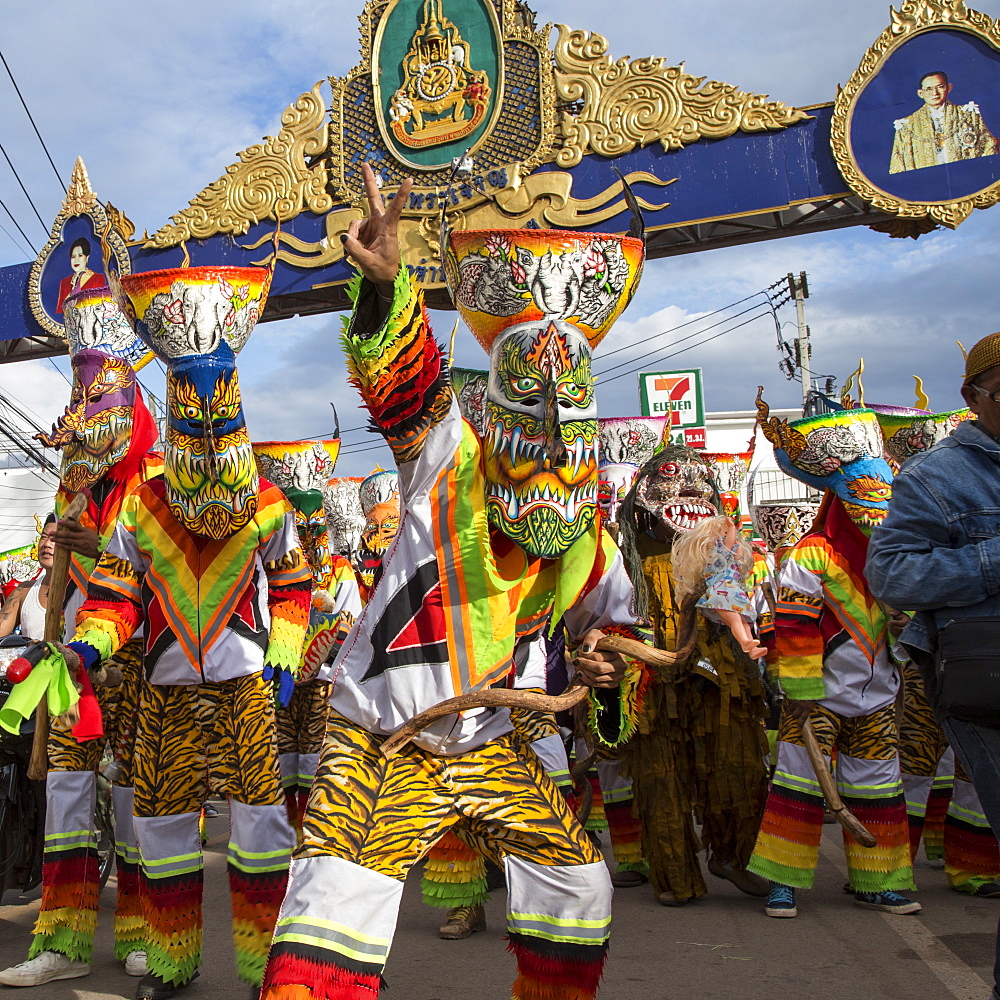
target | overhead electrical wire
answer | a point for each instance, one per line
(17, 177)
(17, 224)
(24, 105)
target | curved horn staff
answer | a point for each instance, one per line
(573, 695)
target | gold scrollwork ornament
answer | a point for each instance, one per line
(913, 17)
(624, 104)
(273, 180)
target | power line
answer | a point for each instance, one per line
(17, 246)
(696, 333)
(3, 205)
(32, 120)
(690, 347)
(17, 177)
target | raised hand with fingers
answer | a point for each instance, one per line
(373, 243)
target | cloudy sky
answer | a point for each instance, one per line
(159, 105)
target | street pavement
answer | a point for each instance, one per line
(717, 948)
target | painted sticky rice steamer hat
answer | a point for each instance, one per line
(344, 515)
(97, 429)
(730, 471)
(840, 451)
(196, 320)
(781, 524)
(379, 496)
(302, 471)
(909, 432)
(539, 301)
(626, 445)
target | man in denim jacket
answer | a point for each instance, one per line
(938, 553)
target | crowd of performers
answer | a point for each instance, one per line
(240, 622)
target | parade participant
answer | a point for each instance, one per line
(379, 495)
(937, 555)
(968, 846)
(205, 558)
(832, 660)
(626, 444)
(497, 542)
(105, 437)
(344, 516)
(699, 747)
(302, 471)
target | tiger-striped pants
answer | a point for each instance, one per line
(868, 779)
(183, 732)
(301, 728)
(67, 918)
(970, 846)
(454, 873)
(369, 820)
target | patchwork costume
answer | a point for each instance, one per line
(831, 649)
(206, 559)
(302, 471)
(104, 436)
(699, 749)
(497, 540)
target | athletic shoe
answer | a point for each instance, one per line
(781, 901)
(748, 882)
(209, 811)
(44, 968)
(888, 902)
(463, 921)
(985, 888)
(152, 987)
(135, 963)
(627, 879)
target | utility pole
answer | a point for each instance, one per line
(798, 288)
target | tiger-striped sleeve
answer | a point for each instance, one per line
(112, 612)
(798, 639)
(399, 367)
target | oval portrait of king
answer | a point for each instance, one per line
(925, 128)
(437, 70)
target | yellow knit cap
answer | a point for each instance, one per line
(983, 355)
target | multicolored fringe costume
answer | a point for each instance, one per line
(830, 647)
(454, 600)
(302, 470)
(105, 435)
(206, 559)
(968, 844)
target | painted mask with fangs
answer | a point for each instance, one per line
(680, 492)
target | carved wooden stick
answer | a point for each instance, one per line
(38, 765)
(844, 816)
(573, 695)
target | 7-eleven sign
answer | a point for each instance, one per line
(678, 394)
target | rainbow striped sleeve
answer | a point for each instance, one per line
(113, 612)
(289, 582)
(399, 368)
(798, 640)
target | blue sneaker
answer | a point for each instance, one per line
(888, 902)
(781, 901)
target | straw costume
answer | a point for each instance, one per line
(699, 749)
(105, 437)
(831, 656)
(483, 560)
(206, 560)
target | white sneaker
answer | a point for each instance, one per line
(135, 964)
(44, 968)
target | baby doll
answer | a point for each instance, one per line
(715, 559)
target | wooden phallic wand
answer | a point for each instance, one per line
(843, 815)
(573, 695)
(38, 765)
